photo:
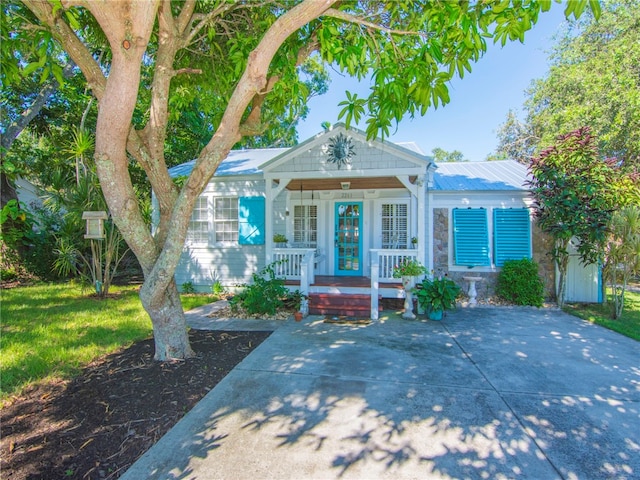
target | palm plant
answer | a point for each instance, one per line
(99, 261)
(622, 254)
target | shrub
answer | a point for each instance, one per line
(188, 288)
(438, 294)
(8, 274)
(266, 295)
(217, 288)
(520, 284)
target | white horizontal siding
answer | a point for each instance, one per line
(229, 265)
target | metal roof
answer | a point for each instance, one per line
(238, 162)
(480, 176)
(449, 176)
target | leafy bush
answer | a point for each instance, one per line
(217, 288)
(520, 284)
(265, 295)
(8, 274)
(188, 288)
(438, 294)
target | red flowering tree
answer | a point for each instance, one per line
(575, 195)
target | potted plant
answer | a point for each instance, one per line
(298, 302)
(408, 270)
(409, 267)
(414, 242)
(280, 240)
(437, 295)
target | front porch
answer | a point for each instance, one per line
(297, 267)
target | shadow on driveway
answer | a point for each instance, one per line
(487, 393)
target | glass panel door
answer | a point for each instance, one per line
(348, 245)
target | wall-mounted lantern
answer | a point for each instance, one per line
(95, 224)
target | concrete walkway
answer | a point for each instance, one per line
(486, 393)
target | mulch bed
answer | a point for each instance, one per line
(97, 424)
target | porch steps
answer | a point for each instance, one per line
(348, 304)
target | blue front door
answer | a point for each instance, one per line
(348, 241)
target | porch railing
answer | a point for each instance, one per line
(295, 264)
(383, 261)
(386, 260)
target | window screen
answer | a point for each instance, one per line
(198, 231)
(305, 226)
(225, 218)
(395, 224)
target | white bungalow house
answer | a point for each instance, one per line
(349, 208)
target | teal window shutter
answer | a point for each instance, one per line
(470, 237)
(251, 213)
(511, 234)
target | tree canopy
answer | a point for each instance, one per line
(575, 195)
(593, 81)
(234, 67)
(441, 155)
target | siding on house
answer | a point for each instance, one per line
(466, 185)
(231, 264)
(367, 157)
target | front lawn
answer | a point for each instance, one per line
(52, 330)
(628, 324)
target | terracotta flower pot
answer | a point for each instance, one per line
(298, 316)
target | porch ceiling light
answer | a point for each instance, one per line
(345, 185)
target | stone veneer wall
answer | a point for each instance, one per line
(542, 247)
(440, 238)
(486, 288)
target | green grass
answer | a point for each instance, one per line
(628, 324)
(191, 301)
(53, 330)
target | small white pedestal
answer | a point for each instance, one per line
(408, 283)
(472, 289)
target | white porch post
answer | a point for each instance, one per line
(272, 190)
(375, 270)
(268, 222)
(419, 191)
(422, 220)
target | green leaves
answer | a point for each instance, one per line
(575, 192)
(353, 108)
(577, 8)
(594, 81)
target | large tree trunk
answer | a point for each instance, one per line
(169, 325)
(128, 26)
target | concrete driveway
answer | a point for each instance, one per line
(486, 393)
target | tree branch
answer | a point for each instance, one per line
(347, 17)
(187, 70)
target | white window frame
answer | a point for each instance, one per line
(398, 243)
(200, 217)
(225, 225)
(307, 237)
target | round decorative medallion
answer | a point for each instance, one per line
(340, 150)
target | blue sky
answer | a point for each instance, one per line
(479, 102)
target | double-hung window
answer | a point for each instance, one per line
(225, 219)
(305, 225)
(198, 231)
(395, 225)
